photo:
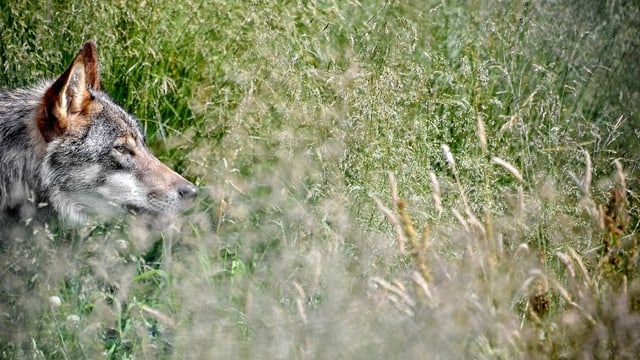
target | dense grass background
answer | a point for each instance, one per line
(499, 122)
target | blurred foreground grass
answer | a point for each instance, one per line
(498, 121)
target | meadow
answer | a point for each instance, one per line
(379, 180)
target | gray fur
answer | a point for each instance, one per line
(20, 160)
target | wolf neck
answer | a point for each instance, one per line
(22, 149)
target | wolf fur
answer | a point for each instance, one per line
(67, 150)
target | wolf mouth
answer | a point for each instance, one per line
(140, 210)
(135, 209)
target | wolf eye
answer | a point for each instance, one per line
(123, 149)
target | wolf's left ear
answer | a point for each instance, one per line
(69, 95)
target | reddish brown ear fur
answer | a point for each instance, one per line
(90, 53)
(69, 94)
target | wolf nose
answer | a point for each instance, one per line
(187, 191)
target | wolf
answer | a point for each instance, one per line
(68, 151)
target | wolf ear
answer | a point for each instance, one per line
(69, 94)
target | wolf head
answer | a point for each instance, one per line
(95, 160)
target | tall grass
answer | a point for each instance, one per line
(379, 180)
